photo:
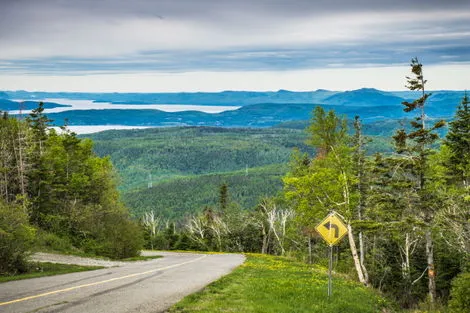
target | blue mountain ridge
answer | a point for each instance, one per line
(258, 109)
(238, 98)
(8, 105)
(363, 97)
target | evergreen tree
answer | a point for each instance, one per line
(38, 176)
(415, 147)
(326, 130)
(39, 124)
(458, 140)
(223, 197)
(63, 187)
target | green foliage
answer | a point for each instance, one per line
(420, 135)
(411, 212)
(460, 294)
(16, 236)
(63, 188)
(39, 123)
(326, 130)
(120, 238)
(50, 242)
(458, 140)
(178, 197)
(321, 187)
(325, 182)
(174, 152)
(15, 138)
(223, 197)
(189, 164)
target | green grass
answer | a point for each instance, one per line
(47, 269)
(267, 284)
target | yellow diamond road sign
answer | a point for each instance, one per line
(332, 229)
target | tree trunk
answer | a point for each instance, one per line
(361, 260)
(431, 269)
(357, 262)
(405, 268)
(264, 248)
(361, 188)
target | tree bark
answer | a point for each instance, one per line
(264, 248)
(431, 269)
(361, 260)
(357, 262)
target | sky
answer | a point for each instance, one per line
(214, 45)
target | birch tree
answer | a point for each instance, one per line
(274, 223)
(328, 181)
(152, 223)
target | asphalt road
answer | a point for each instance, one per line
(150, 286)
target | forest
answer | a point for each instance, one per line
(55, 190)
(404, 195)
(406, 210)
(177, 171)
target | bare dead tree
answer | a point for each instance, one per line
(152, 223)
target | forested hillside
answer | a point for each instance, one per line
(171, 152)
(55, 184)
(184, 196)
(187, 165)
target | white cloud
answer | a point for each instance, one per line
(225, 44)
(454, 77)
(62, 32)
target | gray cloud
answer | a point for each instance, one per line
(68, 36)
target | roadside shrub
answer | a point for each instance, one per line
(46, 241)
(16, 236)
(460, 294)
(122, 238)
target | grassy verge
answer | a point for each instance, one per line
(266, 284)
(47, 269)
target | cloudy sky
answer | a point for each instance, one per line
(211, 45)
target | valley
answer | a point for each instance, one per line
(250, 179)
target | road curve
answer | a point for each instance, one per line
(149, 286)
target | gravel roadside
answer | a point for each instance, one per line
(71, 259)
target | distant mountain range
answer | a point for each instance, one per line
(236, 98)
(8, 105)
(363, 97)
(258, 109)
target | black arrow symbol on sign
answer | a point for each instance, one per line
(328, 226)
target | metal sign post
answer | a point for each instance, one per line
(332, 230)
(330, 267)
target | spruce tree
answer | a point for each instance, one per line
(223, 197)
(415, 147)
(458, 140)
